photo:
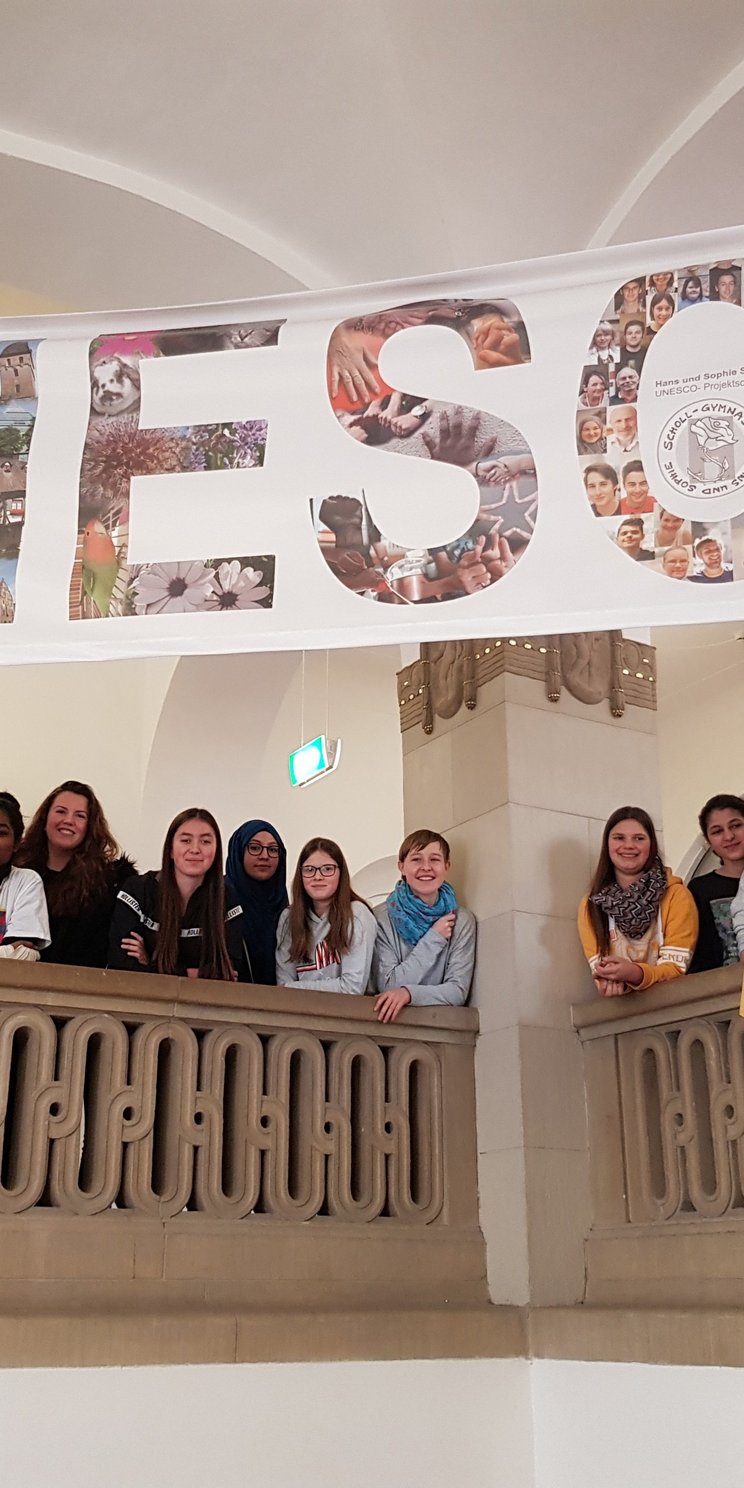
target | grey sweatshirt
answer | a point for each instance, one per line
(350, 974)
(434, 970)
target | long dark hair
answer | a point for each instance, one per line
(604, 872)
(215, 963)
(340, 917)
(11, 810)
(87, 876)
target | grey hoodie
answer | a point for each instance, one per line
(350, 974)
(434, 970)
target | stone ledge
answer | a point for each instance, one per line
(199, 1335)
(50, 1331)
(638, 1335)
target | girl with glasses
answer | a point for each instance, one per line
(184, 920)
(256, 868)
(326, 938)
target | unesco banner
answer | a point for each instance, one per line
(549, 446)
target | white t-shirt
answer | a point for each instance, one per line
(23, 908)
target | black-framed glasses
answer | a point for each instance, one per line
(326, 870)
(256, 848)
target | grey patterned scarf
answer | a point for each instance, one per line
(635, 908)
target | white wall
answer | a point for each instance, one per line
(227, 726)
(154, 736)
(478, 1423)
(700, 724)
(636, 1425)
(403, 1424)
(89, 721)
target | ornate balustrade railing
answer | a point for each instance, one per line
(664, 1077)
(209, 1131)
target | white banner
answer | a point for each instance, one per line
(541, 447)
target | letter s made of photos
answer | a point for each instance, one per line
(18, 401)
(700, 451)
(361, 557)
(103, 583)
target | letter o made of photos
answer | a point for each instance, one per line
(701, 445)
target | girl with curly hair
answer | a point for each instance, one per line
(70, 845)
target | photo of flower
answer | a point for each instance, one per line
(236, 588)
(171, 588)
(201, 585)
(235, 446)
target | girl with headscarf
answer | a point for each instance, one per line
(638, 924)
(257, 869)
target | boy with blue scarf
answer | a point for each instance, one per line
(425, 947)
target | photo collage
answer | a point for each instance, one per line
(635, 517)
(103, 583)
(18, 402)
(493, 451)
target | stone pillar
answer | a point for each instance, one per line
(522, 785)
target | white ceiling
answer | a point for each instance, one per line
(162, 151)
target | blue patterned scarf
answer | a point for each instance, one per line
(411, 917)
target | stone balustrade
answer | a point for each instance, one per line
(199, 1134)
(664, 1073)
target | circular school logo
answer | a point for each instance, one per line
(701, 448)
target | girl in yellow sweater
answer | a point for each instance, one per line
(638, 924)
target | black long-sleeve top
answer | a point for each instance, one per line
(137, 910)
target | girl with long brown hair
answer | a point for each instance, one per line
(326, 938)
(184, 920)
(70, 845)
(638, 924)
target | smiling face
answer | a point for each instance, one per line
(626, 384)
(676, 563)
(261, 857)
(595, 391)
(193, 849)
(320, 877)
(602, 492)
(725, 834)
(624, 424)
(603, 336)
(629, 846)
(67, 822)
(636, 489)
(710, 554)
(424, 870)
(727, 288)
(631, 293)
(663, 312)
(629, 537)
(669, 525)
(633, 335)
(591, 431)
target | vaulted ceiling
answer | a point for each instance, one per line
(164, 152)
